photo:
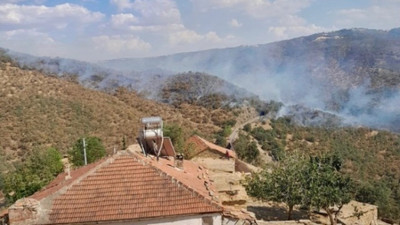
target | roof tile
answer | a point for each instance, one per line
(127, 189)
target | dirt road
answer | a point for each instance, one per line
(235, 132)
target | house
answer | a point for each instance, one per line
(226, 170)
(202, 147)
(126, 188)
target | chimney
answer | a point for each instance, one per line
(67, 167)
(178, 163)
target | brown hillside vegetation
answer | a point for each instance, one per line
(370, 157)
(41, 111)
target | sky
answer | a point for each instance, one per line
(93, 30)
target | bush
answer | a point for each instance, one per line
(247, 128)
(245, 149)
(276, 151)
(220, 140)
(260, 134)
(229, 123)
(310, 139)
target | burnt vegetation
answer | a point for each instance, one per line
(203, 90)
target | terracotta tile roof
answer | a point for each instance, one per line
(191, 175)
(202, 145)
(60, 181)
(128, 188)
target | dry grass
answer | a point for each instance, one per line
(39, 111)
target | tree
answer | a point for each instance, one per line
(283, 184)
(48, 161)
(39, 168)
(220, 140)
(247, 128)
(325, 187)
(94, 151)
(175, 132)
(220, 136)
(315, 183)
(246, 149)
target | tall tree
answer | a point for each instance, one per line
(283, 184)
(325, 187)
(316, 183)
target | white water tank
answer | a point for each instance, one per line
(152, 128)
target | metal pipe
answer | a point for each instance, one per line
(84, 151)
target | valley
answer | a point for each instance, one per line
(329, 93)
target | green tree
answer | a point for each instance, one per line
(220, 140)
(227, 130)
(246, 149)
(175, 132)
(283, 184)
(315, 183)
(247, 128)
(39, 168)
(48, 161)
(94, 151)
(252, 152)
(325, 187)
(220, 136)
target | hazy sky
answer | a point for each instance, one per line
(102, 29)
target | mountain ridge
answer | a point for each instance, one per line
(97, 77)
(351, 73)
(354, 73)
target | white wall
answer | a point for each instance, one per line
(181, 220)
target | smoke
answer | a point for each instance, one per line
(379, 109)
(355, 106)
(330, 75)
(88, 74)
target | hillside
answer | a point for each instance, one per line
(202, 89)
(353, 73)
(370, 157)
(40, 111)
(98, 77)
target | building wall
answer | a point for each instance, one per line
(207, 219)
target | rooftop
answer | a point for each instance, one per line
(202, 145)
(127, 187)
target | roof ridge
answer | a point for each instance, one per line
(214, 147)
(173, 179)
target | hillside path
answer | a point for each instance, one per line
(235, 133)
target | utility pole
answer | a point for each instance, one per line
(84, 151)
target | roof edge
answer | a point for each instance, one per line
(44, 204)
